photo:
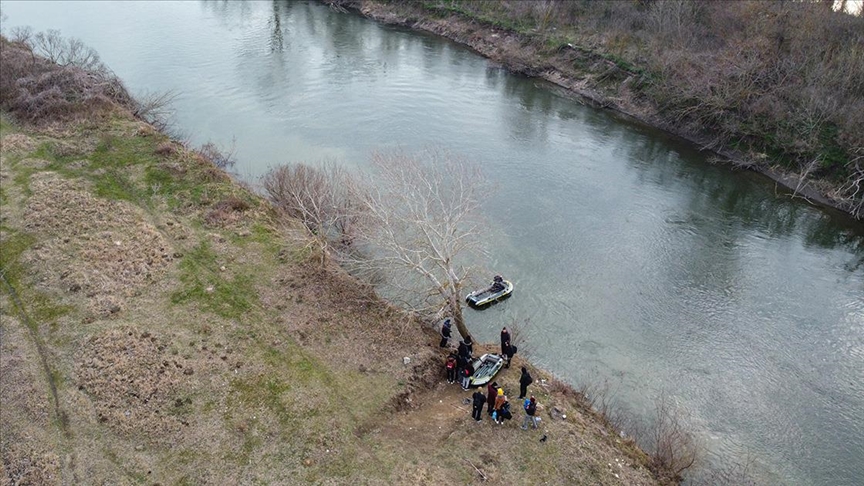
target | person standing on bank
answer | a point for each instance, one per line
(509, 351)
(524, 381)
(451, 368)
(445, 333)
(500, 400)
(464, 350)
(491, 393)
(479, 400)
(466, 377)
(505, 339)
(530, 407)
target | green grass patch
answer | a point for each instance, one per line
(14, 244)
(204, 283)
(6, 125)
(120, 152)
(114, 184)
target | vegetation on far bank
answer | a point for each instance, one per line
(780, 82)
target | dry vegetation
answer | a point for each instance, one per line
(159, 327)
(780, 83)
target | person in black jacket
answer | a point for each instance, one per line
(505, 338)
(524, 381)
(445, 333)
(509, 351)
(462, 350)
(479, 400)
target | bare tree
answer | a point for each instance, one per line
(421, 225)
(319, 197)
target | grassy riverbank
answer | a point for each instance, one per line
(773, 86)
(159, 326)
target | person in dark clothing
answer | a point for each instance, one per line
(464, 350)
(445, 333)
(491, 393)
(479, 400)
(451, 368)
(466, 377)
(469, 345)
(530, 407)
(505, 338)
(524, 381)
(461, 364)
(509, 351)
(497, 284)
(505, 412)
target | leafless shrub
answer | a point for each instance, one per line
(166, 149)
(21, 35)
(38, 89)
(226, 211)
(155, 109)
(220, 157)
(66, 51)
(319, 197)
(670, 443)
(519, 331)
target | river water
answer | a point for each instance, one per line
(635, 260)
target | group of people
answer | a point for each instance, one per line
(498, 405)
(459, 365)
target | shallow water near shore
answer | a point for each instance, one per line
(635, 259)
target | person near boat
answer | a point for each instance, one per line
(500, 400)
(491, 393)
(509, 350)
(465, 348)
(466, 377)
(505, 338)
(450, 365)
(497, 284)
(479, 400)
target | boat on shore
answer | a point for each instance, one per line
(485, 368)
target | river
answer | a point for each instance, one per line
(635, 259)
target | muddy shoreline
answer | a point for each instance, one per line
(516, 53)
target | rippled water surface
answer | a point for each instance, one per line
(634, 258)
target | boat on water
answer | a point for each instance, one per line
(482, 298)
(485, 368)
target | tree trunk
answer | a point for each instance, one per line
(456, 311)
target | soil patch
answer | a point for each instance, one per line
(132, 382)
(103, 249)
